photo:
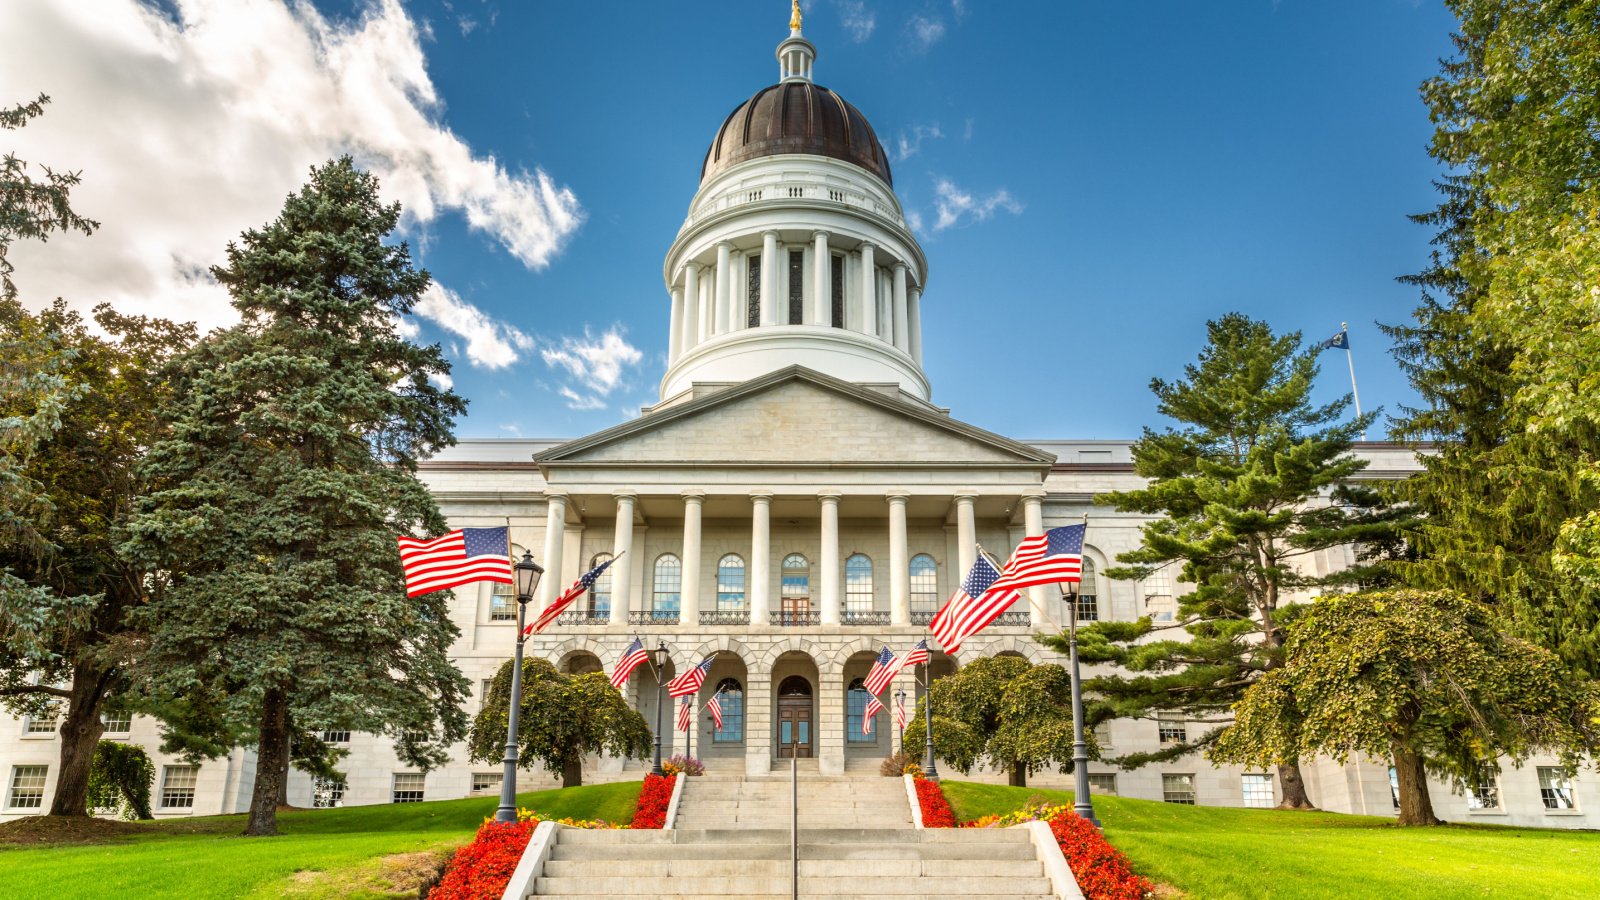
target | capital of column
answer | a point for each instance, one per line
(829, 495)
(693, 496)
(900, 266)
(897, 495)
(554, 495)
(761, 496)
(965, 495)
(625, 494)
(769, 234)
(726, 246)
(821, 234)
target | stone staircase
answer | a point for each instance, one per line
(732, 842)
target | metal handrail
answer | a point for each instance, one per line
(1014, 618)
(794, 828)
(653, 617)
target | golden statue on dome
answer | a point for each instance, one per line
(794, 20)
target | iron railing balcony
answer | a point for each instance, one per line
(653, 617)
(919, 617)
(1014, 618)
(584, 618)
(789, 619)
(865, 617)
(725, 617)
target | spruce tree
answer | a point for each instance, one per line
(292, 465)
(1254, 479)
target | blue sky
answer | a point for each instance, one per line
(1093, 180)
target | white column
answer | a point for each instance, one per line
(899, 563)
(821, 280)
(689, 590)
(869, 291)
(901, 315)
(622, 571)
(966, 533)
(555, 540)
(1033, 525)
(693, 324)
(760, 572)
(769, 278)
(675, 332)
(828, 559)
(724, 288)
(914, 323)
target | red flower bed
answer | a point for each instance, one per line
(1102, 871)
(936, 811)
(654, 798)
(481, 869)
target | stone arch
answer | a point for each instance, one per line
(724, 644)
(563, 652)
(860, 644)
(793, 644)
(787, 666)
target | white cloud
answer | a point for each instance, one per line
(442, 381)
(925, 31)
(956, 206)
(908, 142)
(858, 21)
(958, 7)
(490, 344)
(190, 127)
(594, 364)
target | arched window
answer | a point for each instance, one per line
(669, 582)
(858, 583)
(730, 583)
(855, 711)
(924, 584)
(600, 592)
(796, 588)
(731, 697)
(1088, 603)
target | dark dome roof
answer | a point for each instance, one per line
(796, 117)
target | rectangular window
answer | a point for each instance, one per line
(1103, 784)
(117, 723)
(1178, 789)
(1257, 790)
(1394, 787)
(1170, 729)
(407, 787)
(336, 737)
(483, 690)
(177, 786)
(27, 787)
(732, 730)
(837, 312)
(44, 724)
(1158, 602)
(486, 782)
(1102, 735)
(1483, 792)
(855, 711)
(753, 318)
(1555, 788)
(326, 793)
(797, 280)
(503, 603)
(1088, 608)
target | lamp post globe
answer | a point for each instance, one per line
(1082, 804)
(527, 574)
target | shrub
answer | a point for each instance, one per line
(119, 778)
(687, 765)
(1102, 872)
(936, 811)
(899, 764)
(481, 869)
(654, 798)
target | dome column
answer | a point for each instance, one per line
(914, 323)
(724, 288)
(869, 290)
(693, 330)
(675, 331)
(769, 278)
(821, 280)
(901, 315)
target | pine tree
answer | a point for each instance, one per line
(1254, 480)
(292, 465)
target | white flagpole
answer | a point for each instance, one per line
(1344, 328)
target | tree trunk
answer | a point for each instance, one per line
(1416, 807)
(1294, 787)
(572, 773)
(269, 763)
(1019, 776)
(80, 734)
(283, 773)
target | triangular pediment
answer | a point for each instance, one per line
(801, 417)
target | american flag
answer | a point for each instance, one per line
(460, 557)
(1049, 558)
(632, 658)
(976, 603)
(900, 712)
(883, 669)
(714, 706)
(873, 708)
(686, 714)
(690, 681)
(917, 656)
(560, 604)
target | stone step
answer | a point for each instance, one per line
(843, 885)
(568, 852)
(782, 895)
(781, 836)
(779, 868)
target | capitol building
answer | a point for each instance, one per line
(795, 500)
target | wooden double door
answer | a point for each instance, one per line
(794, 719)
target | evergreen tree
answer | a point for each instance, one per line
(292, 466)
(32, 208)
(1253, 481)
(69, 635)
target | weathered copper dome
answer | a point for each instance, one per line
(796, 117)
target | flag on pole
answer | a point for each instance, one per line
(460, 557)
(560, 604)
(1340, 341)
(916, 656)
(1049, 558)
(690, 681)
(686, 714)
(900, 711)
(632, 658)
(714, 706)
(977, 602)
(883, 669)
(873, 708)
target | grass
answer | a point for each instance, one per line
(1220, 853)
(357, 852)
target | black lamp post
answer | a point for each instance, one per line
(527, 573)
(1082, 804)
(900, 701)
(660, 659)
(931, 770)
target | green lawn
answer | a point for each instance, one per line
(1219, 853)
(362, 851)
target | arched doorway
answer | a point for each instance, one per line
(795, 721)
